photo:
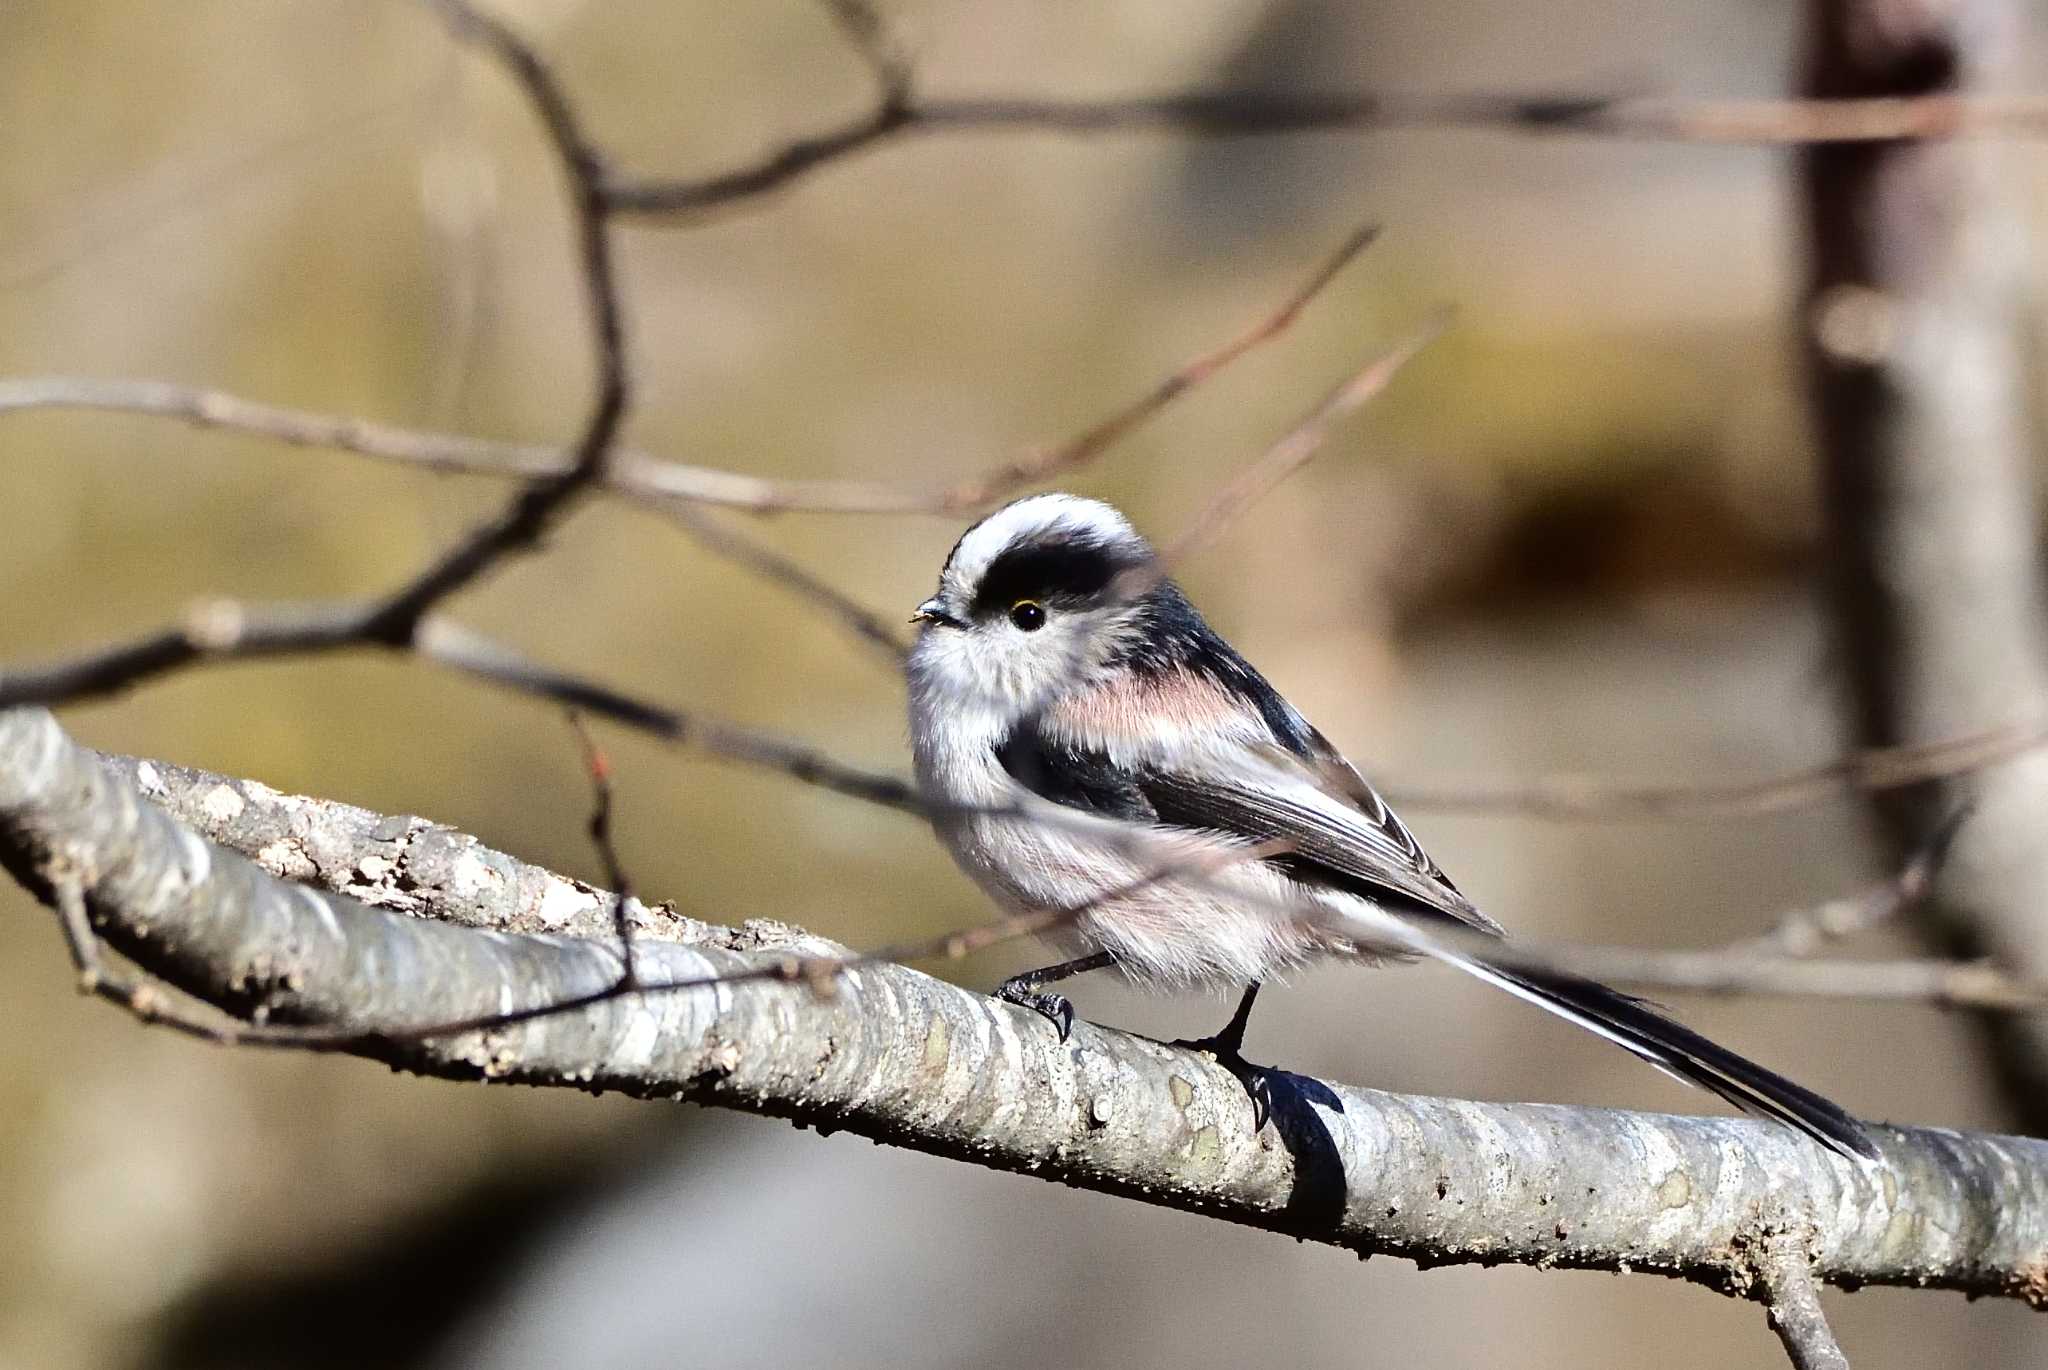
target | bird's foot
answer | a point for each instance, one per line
(1022, 991)
(1226, 1049)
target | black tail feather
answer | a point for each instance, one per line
(1671, 1046)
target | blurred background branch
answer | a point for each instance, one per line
(1253, 114)
(659, 483)
(1921, 371)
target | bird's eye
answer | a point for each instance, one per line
(1028, 614)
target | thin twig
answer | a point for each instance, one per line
(1243, 114)
(598, 767)
(1299, 444)
(655, 481)
(629, 472)
(878, 45)
(1043, 464)
(462, 649)
(540, 503)
(1792, 1297)
(147, 1001)
(1937, 983)
(1780, 962)
(964, 942)
(222, 629)
(1873, 770)
(1286, 455)
(1802, 931)
(722, 539)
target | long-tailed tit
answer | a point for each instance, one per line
(1081, 730)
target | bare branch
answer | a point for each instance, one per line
(654, 481)
(1287, 454)
(221, 629)
(1299, 444)
(878, 45)
(1941, 984)
(537, 506)
(1044, 464)
(225, 630)
(1755, 966)
(1789, 1291)
(1919, 344)
(629, 472)
(462, 649)
(1872, 770)
(722, 539)
(599, 768)
(1802, 931)
(1250, 114)
(1779, 961)
(908, 1060)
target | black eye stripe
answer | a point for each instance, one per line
(1063, 571)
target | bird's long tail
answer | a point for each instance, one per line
(1677, 1050)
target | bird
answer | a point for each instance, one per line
(1091, 751)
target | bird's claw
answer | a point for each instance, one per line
(1054, 1008)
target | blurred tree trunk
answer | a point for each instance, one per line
(1914, 329)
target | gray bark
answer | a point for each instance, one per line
(912, 1061)
(1913, 321)
(1794, 1302)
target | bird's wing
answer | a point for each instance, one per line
(1262, 773)
(1346, 841)
(1235, 765)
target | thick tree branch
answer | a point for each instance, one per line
(906, 1059)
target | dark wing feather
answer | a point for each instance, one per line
(1346, 845)
(1348, 849)
(1339, 777)
(1066, 775)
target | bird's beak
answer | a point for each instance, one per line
(931, 611)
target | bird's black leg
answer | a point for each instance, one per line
(1227, 1047)
(1230, 1041)
(1023, 989)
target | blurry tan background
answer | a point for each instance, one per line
(1576, 534)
